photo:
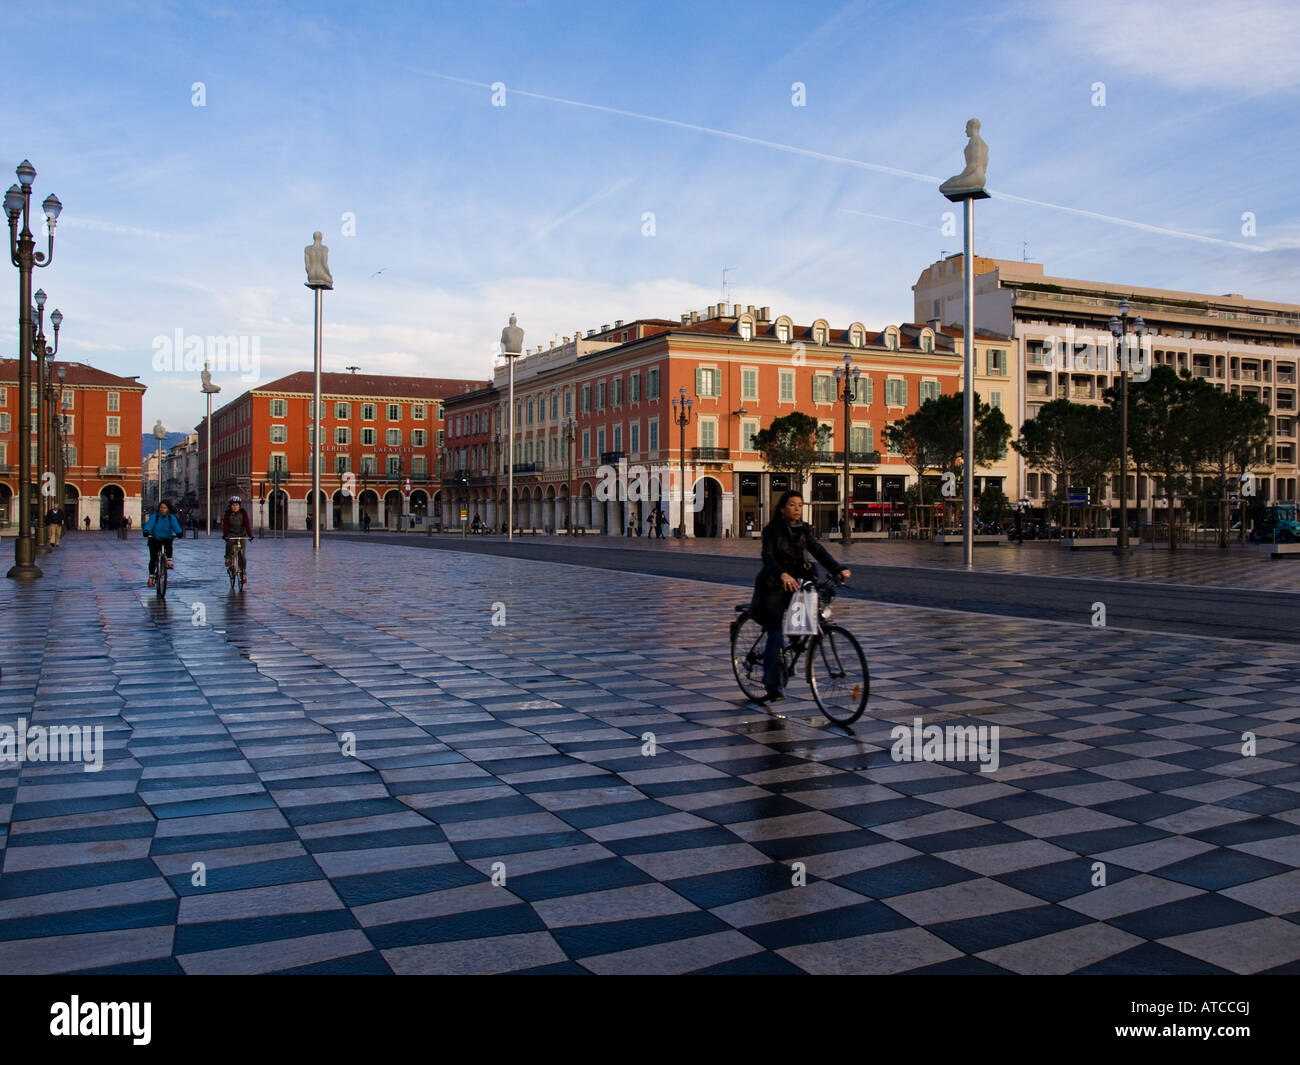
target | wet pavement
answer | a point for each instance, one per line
(407, 760)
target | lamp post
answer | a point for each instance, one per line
(44, 457)
(846, 378)
(570, 429)
(23, 254)
(1119, 330)
(209, 390)
(159, 434)
(62, 486)
(512, 346)
(682, 415)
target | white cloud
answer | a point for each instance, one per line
(1248, 46)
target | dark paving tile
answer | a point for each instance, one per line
(965, 966)
(902, 878)
(1108, 839)
(1187, 915)
(967, 838)
(1143, 808)
(1060, 880)
(1249, 831)
(1014, 807)
(976, 934)
(763, 963)
(399, 883)
(789, 848)
(577, 879)
(735, 813)
(214, 935)
(68, 877)
(469, 849)
(1151, 959)
(843, 923)
(1263, 801)
(497, 921)
(371, 963)
(585, 941)
(153, 967)
(223, 841)
(711, 890)
(394, 837)
(82, 922)
(342, 811)
(870, 814)
(614, 813)
(255, 874)
(687, 839)
(1219, 868)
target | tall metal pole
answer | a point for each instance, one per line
(208, 480)
(42, 431)
(510, 450)
(1123, 447)
(316, 418)
(968, 366)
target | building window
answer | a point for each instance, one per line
(600, 395)
(820, 334)
(394, 412)
(864, 391)
(860, 439)
(279, 434)
(342, 412)
(857, 336)
(367, 412)
(4, 423)
(530, 412)
(708, 382)
(394, 465)
(69, 422)
(708, 432)
(114, 426)
(111, 456)
(4, 397)
(67, 398)
(417, 411)
(783, 332)
(586, 444)
(748, 430)
(279, 461)
(634, 387)
(997, 362)
(616, 390)
(634, 438)
(417, 437)
(342, 434)
(787, 386)
(278, 408)
(367, 463)
(746, 328)
(555, 406)
(927, 342)
(114, 399)
(419, 467)
(749, 384)
(600, 440)
(618, 438)
(652, 384)
(823, 388)
(995, 400)
(895, 392)
(928, 390)
(652, 441)
(441, 437)
(393, 437)
(367, 436)
(568, 403)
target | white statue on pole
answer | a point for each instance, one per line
(971, 180)
(316, 256)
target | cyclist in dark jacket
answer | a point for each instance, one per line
(159, 529)
(235, 522)
(785, 539)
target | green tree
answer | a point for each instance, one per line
(933, 436)
(792, 444)
(1075, 442)
(1224, 423)
(1167, 434)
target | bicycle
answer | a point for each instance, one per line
(836, 667)
(237, 556)
(161, 566)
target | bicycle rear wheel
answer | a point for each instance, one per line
(837, 675)
(160, 580)
(748, 642)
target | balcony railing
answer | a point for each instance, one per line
(111, 471)
(609, 458)
(710, 454)
(856, 458)
(523, 468)
(1285, 378)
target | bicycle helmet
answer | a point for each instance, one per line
(235, 499)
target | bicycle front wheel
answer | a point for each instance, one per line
(837, 675)
(748, 642)
(160, 581)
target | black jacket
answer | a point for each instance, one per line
(783, 552)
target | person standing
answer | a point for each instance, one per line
(54, 520)
(365, 522)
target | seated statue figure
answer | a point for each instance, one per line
(977, 160)
(316, 255)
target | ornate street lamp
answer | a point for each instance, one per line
(23, 254)
(682, 416)
(57, 319)
(160, 434)
(570, 429)
(846, 378)
(209, 390)
(42, 352)
(1119, 330)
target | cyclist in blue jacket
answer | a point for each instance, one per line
(159, 529)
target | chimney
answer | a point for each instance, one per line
(566, 340)
(735, 310)
(749, 309)
(934, 324)
(618, 323)
(765, 314)
(695, 317)
(552, 345)
(605, 328)
(686, 318)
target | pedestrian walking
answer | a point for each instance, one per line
(365, 523)
(54, 521)
(86, 521)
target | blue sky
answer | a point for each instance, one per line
(194, 218)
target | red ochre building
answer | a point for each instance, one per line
(741, 368)
(379, 442)
(101, 420)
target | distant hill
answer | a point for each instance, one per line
(149, 443)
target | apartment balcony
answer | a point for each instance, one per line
(710, 454)
(856, 458)
(111, 471)
(609, 458)
(524, 469)
(1201, 371)
(1286, 378)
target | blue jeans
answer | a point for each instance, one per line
(773, 674)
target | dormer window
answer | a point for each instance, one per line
(745, 327)
(891, 339)
(784, 329)
(821, 332)
(927, 340)
(857, 335)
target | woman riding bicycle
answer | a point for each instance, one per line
(785, 539)
(235, 524)
(159, 529)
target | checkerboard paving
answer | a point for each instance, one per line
(349, 768)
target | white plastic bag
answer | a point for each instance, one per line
(801, 615)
